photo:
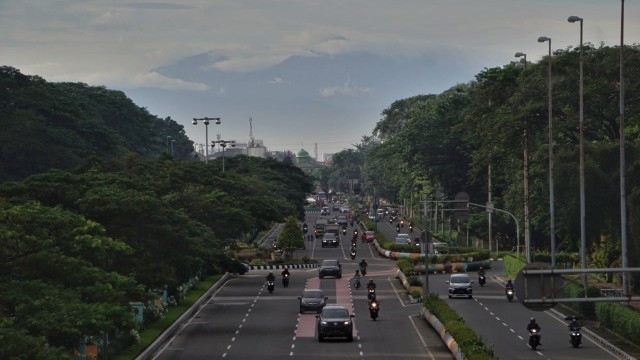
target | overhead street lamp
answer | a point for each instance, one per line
(583, 242)
(623, 192)
(551, 196)
(223, 145)
(526, 168)
(206, 120)
(519, 55)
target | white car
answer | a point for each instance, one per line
(460, 286)
(403, 239)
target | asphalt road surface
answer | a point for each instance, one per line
(244, 321)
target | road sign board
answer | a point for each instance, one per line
(546, 287)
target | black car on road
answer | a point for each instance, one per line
(330, 268)
(335, 321)
(312, 300)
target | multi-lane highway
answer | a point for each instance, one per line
(242, 320)
(502, 324)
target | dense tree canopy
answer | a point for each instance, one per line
(94, 216)
(448, 141)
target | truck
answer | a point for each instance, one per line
(319, 227)
(333, 229)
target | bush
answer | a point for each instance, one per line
(469, 343)
(619, 318)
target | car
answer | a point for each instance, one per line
(403, 239)
(330, 268)
(330, 239)
(336, 206)
(368, 236)
(344, 209)
(324, 211)
(312, 300)
(342, 220)
(335, 321)
(460, 286)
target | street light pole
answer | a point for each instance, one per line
(168, 138)
(623, 194)
(172, 141)
(223, 145)
(526, 170)
(551, 195)
(206, 120)
(583, 241)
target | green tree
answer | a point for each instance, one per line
(291, 237)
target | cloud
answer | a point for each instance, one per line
(347, 89)
(277, 80)
(154, 79)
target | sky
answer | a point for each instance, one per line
(118, 43)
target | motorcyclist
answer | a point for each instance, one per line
(305, 228)
(371, 285)
(575, 324)
(398, 227)
(271, 277)
(481, 271)
(363, 264)
(356, 278)
(285, 272)
(509, 285)
(534, 325)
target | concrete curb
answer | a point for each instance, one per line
(597, 338)
(173, 328)
(451, 343)
(447, 339)
(282, 266)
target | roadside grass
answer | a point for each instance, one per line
(153, 330)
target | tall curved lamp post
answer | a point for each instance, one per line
(526, 169)
(551, 194)
(206, 120)
(583, 242)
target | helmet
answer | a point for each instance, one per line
(532, 319)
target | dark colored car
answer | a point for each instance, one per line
(330, 268)
(312, 300)
(335, 321)
(329, 239)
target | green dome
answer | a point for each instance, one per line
(302, 154)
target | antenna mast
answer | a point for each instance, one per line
(251, 140)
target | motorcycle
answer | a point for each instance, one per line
(357, 284)
(353, 254)
(398, 229)
(374, 308)
(401, 223)
(390, 219)
(534, 339)
(371, 294)
(575, 337)
(270, 286)
(482, 279)
(344, 231)
(509, 293)
(363, 271)
(285, 280)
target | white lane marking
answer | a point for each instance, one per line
(424, 343)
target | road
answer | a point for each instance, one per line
(243, 321)
(502, 324)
